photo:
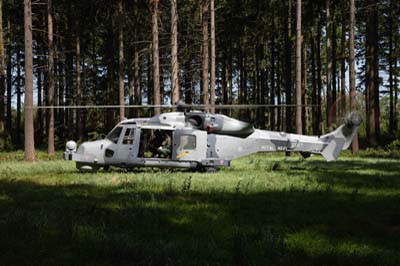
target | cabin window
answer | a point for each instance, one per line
(114, 134)
(129, 136)
(188, 142)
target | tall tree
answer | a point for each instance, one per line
(2, 78)
(343, 62)
(50, 147)
(319, 77)
(288, 67)
(156, 60)
(372, 75)
(204, 58)
(333, 108)
(174, 52)
(314, 98)
(18, 92)
(134, 87)
(328, 65)
(298, 69)
(391, 58)
(9, 77)
(212, 74)
(79, 122)
(272, 80)
(121, 68)
(29, 129)
(352, 73)
(39, 114)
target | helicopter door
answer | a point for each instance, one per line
(189, 145)
(127, 148)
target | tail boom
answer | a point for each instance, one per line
(329, 145)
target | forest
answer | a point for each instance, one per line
(73, 69)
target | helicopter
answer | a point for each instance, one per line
(199, 140)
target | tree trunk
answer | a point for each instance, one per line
(328, 66)
(136, 83)
(174, 53)
(188, 75)
(396, 90)
(272, 82)
(343, 62)
(278, 93)
(263, 84)
(39, 119)
(314, 95)
(288, 69)
(230, 76)
(150, 83)
(333, 108)
(212, 74)
(390, 61)
(18, 92)
(298, 69)
(156, 60)
(29, 129)
(121, 68)
(257, 80)
(50, 148)
(352, 73)
(319, 78)
(61, 95)
(84, 102)
(372, 75)
(79, 122)
(304, 117)
(204, 76)
(242, 80)
(134, 89)
(2, 78)
(9, 84)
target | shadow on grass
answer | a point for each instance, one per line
(354, 174)
(127, 225)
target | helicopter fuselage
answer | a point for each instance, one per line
(197, 140)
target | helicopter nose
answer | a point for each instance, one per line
(70, 146)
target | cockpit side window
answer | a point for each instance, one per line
(129, 136)
(114, 134)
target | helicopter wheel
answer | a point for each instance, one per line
(106, 167)
(87, 168)
(211, 170)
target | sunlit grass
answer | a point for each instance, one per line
(264, 210)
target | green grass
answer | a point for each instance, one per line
(264, 210)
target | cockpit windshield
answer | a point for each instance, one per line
(114, 134)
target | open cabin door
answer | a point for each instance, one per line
(189, 145)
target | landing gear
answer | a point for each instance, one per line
(206, 169)
(84, 167)
(211, 170)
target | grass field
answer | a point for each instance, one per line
(264, 210)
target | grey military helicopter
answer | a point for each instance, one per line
(198, 140)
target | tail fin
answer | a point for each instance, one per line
(341, 138)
